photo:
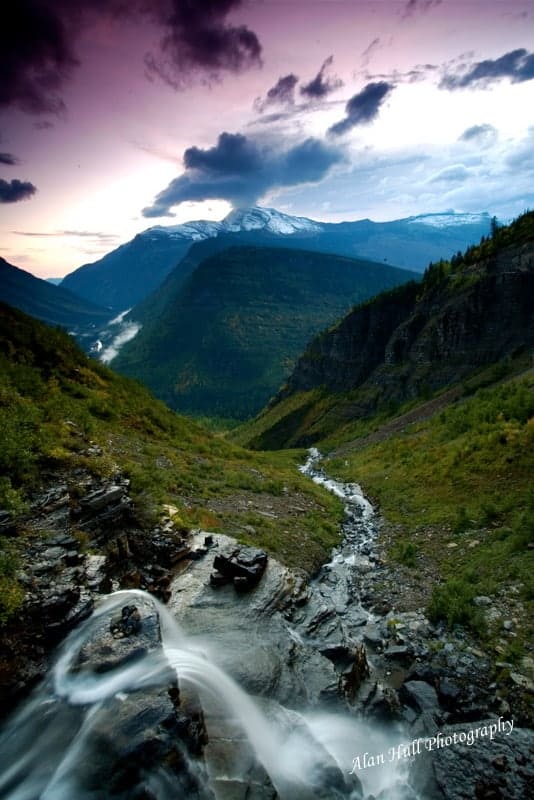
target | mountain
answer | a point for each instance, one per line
(411, 342)
(124, 277)
(222, 342)
(52, 304)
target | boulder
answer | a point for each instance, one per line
(244, 567)
(420, 695)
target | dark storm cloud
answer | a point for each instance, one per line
(363, 107)
(479, 133)
(198, 37)
(241, 170)
(322, 85)
(35, 56)
(414, 7)
(15, 190)
(517, 65)
(233, 154)
(282, 93)
(8, 159)
(37, 44)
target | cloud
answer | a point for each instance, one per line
(8, 159)
(363, 107)
(456, 173)
(414, 7)
(99, 236)
(198, 38)
(369, 50)
(15, 190)
(242, 170)
(517, 65)
(37, 44)
(321, 86)
(521, 157)
(479, 134)
(419, 72)
(282, 93)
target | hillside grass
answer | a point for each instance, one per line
(457, 490)
(54, 402)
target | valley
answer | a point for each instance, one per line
(397, 598)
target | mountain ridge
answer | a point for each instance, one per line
(126, 276)
(52, 304)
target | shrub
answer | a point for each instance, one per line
(452, 602)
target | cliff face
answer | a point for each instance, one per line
(346, 355)
(411, 341)
(434, 335)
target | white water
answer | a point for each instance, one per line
(44, 746)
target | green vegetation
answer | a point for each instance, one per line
(54, 401)
(458, 488)
(453, 602)
(223, 342)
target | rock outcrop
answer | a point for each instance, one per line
(83, 540)
(407, 344)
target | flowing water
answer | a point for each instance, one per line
(50, 749)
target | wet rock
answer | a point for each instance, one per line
(373, 636)
(402, 653)
(244, 567)
(198, 553)
(420, 695)
(384, 705)
(218, 579)
(129, 622)
(449, 693)
(501, 768)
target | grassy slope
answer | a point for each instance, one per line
(457, 490)
(53, 400)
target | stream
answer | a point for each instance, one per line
(255, 711)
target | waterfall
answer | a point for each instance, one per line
(52, 748)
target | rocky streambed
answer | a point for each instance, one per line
(263, 687)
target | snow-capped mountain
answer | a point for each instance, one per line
(240, 219)
(124, 277)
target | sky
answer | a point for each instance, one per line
(116, 115)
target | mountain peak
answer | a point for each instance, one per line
(257, 218)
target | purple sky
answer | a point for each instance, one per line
(114, 120)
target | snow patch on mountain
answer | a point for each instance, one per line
(249, 219)
(449, 219)
(241, 219)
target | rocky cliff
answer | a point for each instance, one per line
(417, 339)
